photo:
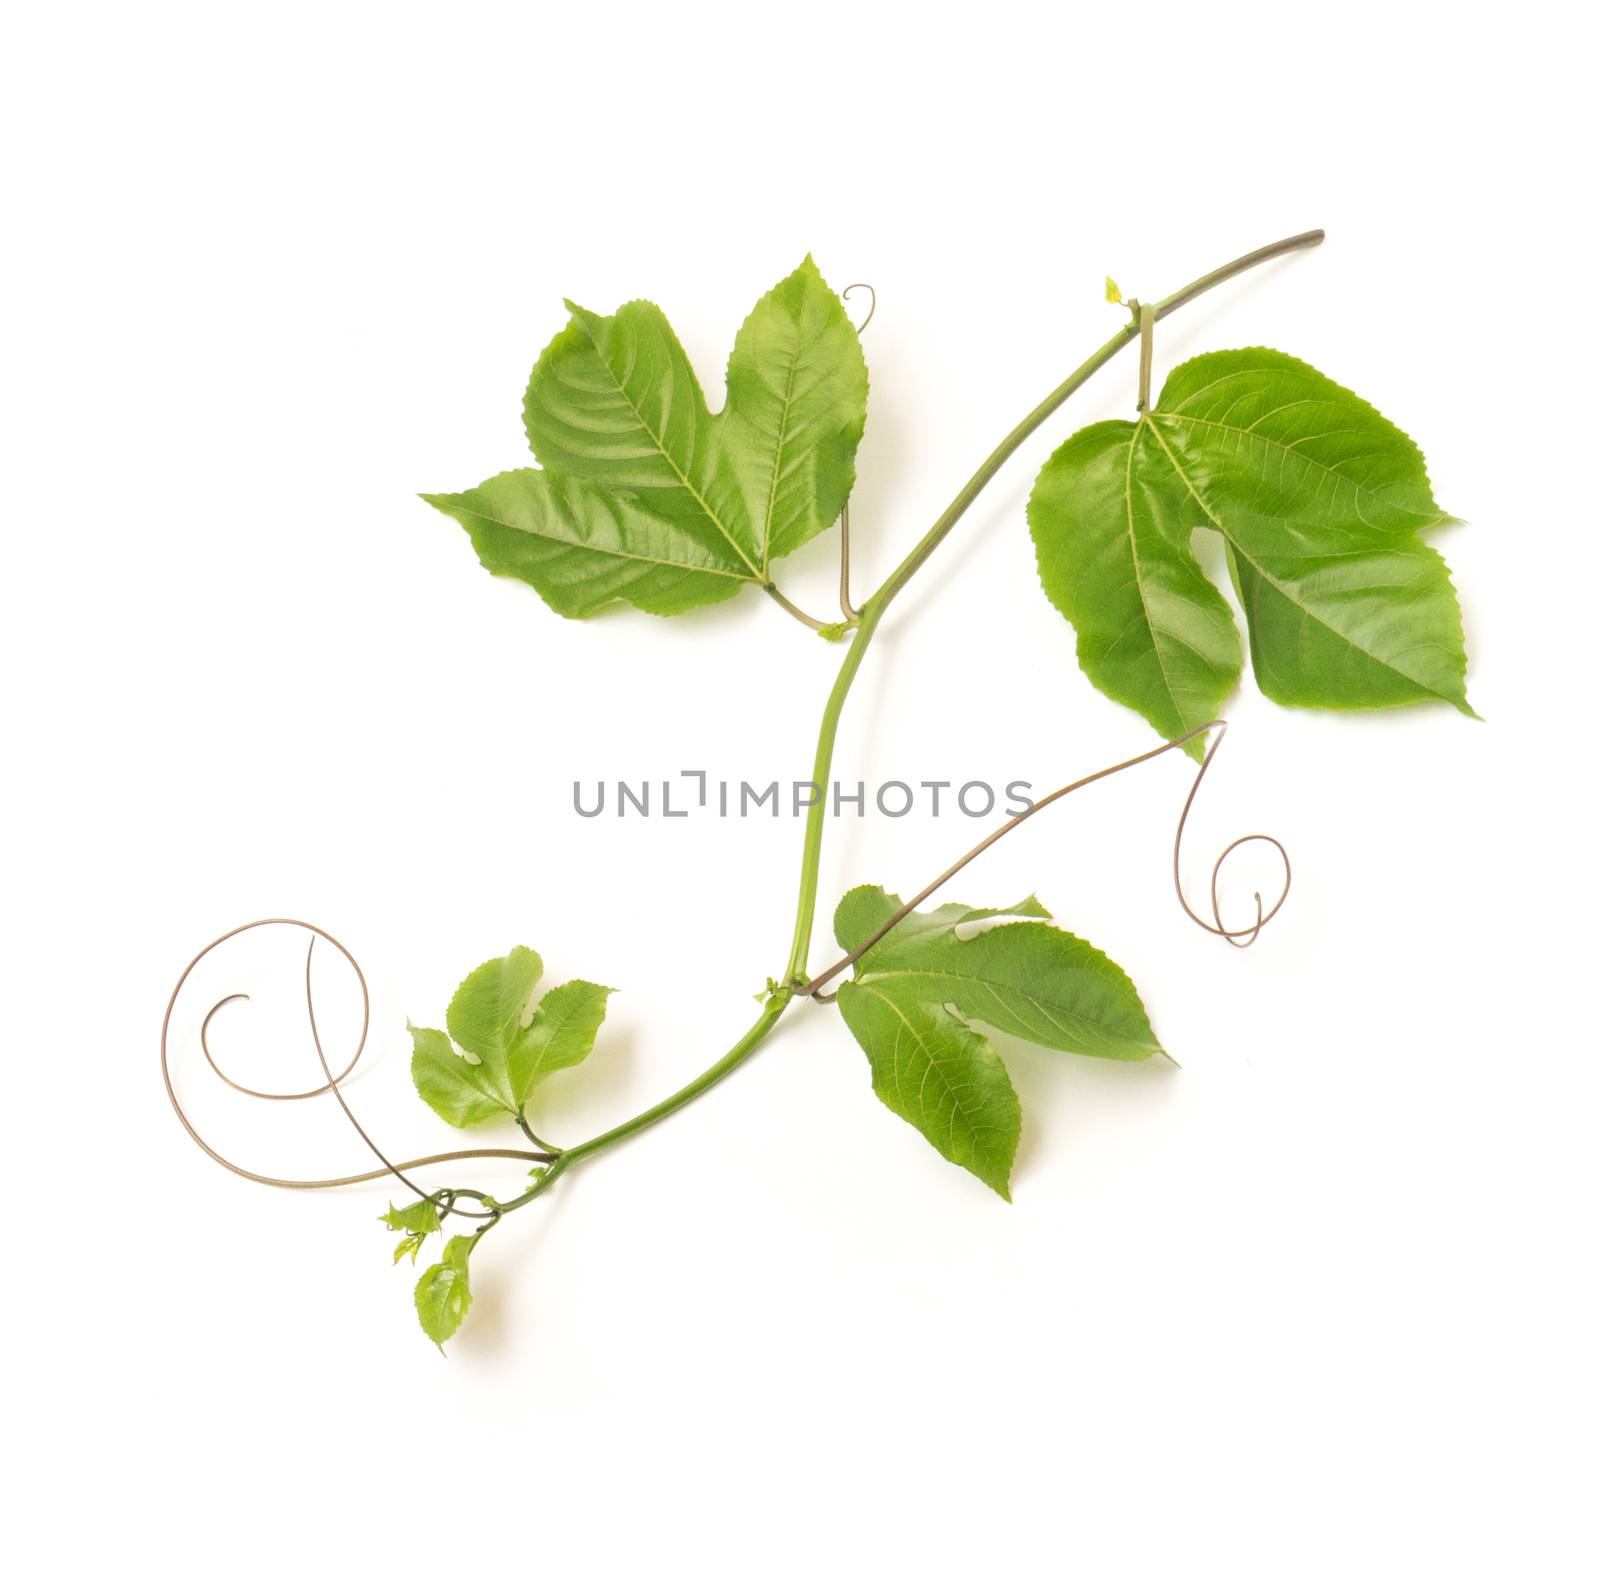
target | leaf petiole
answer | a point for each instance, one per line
(816, 625)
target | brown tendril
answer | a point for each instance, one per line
(1239, 937)
(331, 1084)
(864, 286)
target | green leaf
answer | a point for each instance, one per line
(561, 1034)
(863, 910)
(409, 1246)
(417, 1218)
(581, 547)
(508, 1043)
(1320, 502)
(938, 1074)
(1026, 978)
(648, 497)
(443, 1294)
(614, 399)
(489, 1014)
(915, 990)
(1113, 547)
(456, 1088)
(797, 406)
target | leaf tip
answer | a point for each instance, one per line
(997, 1181)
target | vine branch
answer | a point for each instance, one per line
(552, 1163)
(872, 612)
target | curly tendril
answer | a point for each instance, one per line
(331, 1083)
(872, 308)
(1240, 937)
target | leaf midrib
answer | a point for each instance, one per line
(1287, 594)
(1289, 451)
(779, 442)
(1042, 1005)
(609, 551)
(1138, 573)
(672, 462)
(935, 1062)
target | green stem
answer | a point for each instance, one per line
(873, 609)
(726, 1065)
(822, 765)
(821, 771)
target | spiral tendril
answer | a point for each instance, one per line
(332, 1083)
(872, 308)
(1239, 937)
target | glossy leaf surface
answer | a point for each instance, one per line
(1319, 501)
(940, 1075)
(914, 991)
(644, 494)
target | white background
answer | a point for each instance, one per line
(1315, 1308)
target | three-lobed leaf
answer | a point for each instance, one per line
(644, 494)
(914, 992)
(1319, 501)
(507, 1042)
(443, 1293)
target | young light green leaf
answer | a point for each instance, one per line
(418, 1218)
(458, 1089)
(561, 1034)
(938, 1074)
(488, 1017)
(409, 1246)
(443, 1294)
(508, 1044)
(1319, 501)
(646, 496)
